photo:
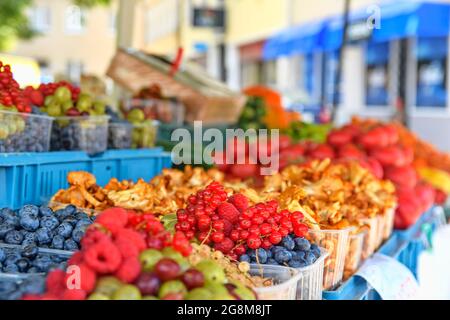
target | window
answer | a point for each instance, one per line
(40, 19)
(431, 72)
(377, 74)
(75, 20)
(74, 70)
(330, 86)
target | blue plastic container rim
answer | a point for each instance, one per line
(14, 159)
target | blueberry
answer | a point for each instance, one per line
(2, 255)
(4, 229)
(295, 263)
(245, 258)
(77, 233)
(29, 210)
(302, 244)
(57, 242)
(81, 215)
(272, 262)
(29, 223)
(12, 258)
(11, 268)
(316, 250)
(64, 229)
(70, 245)
(252, 254)
(10, 217)
(30, 251)
(70, 210)
(7, 287)
(71, 220)
(276, 248)
(61, 214)
(33, 285)
(262, 256)
(33, 270)
(62, 265)
(283, 256)
(42, 263)
(288, 243)
(23, 264)
(14, 237)
(310, 258)
(57, 258)
(45, 211)
(300, 255)
(83, 222)
(43, 236)
(49, 222)
(269, 254)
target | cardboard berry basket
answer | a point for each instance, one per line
(310, 283)
(336, 244)
(24, 132)
(285, 282)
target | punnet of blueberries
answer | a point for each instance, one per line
(293, 252)
(41, 226)
(13, 289)
(120, 131)
(19, 133)
(89, 134)
(29, 259)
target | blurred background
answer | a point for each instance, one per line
(393, 64)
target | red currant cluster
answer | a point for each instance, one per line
(231, 226)
(156, 236)
(10, 92)
(50, 88)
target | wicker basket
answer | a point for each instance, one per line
(204, 98)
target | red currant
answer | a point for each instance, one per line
(275, 237)
(253, 242)
(217, 236)
(245, 224)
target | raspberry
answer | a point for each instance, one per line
(82, 277)
(92, 237)
(227, 227)
(113, 219)
(49, 296)
(225, 246)
(126, 247)
(239, 201)
(135, 237)
(76, 258)
(55, 282)
(103, 257)
(31, 297)
(181, 244)
(129, 270)
(74, 294)
(228, 211)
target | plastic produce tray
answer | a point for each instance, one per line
(34, 178)
(405, 246)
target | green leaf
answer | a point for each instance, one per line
(169, 221)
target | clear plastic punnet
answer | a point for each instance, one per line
(285, 282)
(336, 244)
(388, 226)
(86, 133)
(354, 253)
(119, 137)
(163, 110)
(24, 132)
(371, 237)
(310, 283)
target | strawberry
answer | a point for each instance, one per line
(404, 177)
(36, 98)
(375, 138)
(337, 138)
(322, 151)
(389, 156)
(228, 212)
(350, 151)
(392, 134)
(426, 194)
(375, 167)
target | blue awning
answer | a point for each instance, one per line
(299, 39)
(398, 19)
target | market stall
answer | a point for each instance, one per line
(343, 201)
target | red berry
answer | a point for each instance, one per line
(225, 246)
(266, 244)
(283, 231)
(217, 236)
(228, 211)
(258, 219)
(243, 234)
(253, 242)
(239, 201)
(265, 229)
(245, 224)
(204, 223)
(218, 225)
(234, 235)
(275, 237)
(301, 230)
(239, 250)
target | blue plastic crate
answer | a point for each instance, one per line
(35, 177)
(405, 246)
